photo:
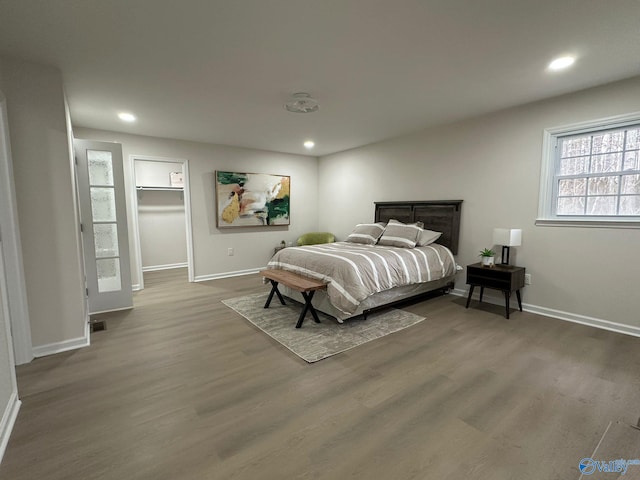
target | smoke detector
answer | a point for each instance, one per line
(302, 103)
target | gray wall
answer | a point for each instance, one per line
(7, 386)
(45, 198)
(253, 246)
(493, 164)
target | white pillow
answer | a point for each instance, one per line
(427, 237)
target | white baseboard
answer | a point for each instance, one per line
(112, 310)
(169, 266)
(560, 314)
(136, 287)
(8, 420)
(65, 345)
(216, 276)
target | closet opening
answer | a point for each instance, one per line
(162, 216)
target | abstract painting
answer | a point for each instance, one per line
(252, 199)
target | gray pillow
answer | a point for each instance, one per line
(426, 237)
(398, 234)
(366, 233)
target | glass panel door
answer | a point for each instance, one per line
(103, 211)
(104, 225)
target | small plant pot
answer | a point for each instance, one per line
(488, 261)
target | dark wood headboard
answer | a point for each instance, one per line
(438, 215)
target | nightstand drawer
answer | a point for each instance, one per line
(490, 282)
(501, 277)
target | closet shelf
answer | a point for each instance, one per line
(168, 189)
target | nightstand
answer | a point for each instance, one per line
(506, 278)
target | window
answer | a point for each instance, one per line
(591, 174)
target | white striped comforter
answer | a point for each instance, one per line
(355, 271)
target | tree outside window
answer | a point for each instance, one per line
(598, 173)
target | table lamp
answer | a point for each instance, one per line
(507, 237)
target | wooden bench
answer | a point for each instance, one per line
(305, 285)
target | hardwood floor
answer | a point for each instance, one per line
(182, 387)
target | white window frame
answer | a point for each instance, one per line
(546, 207)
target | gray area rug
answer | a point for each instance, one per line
(315, 341)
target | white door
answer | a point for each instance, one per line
(104, 225)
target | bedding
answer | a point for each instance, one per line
(357, 271)
(377, 300)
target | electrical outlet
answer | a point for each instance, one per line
(230, 252)
(527, 279)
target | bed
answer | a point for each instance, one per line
(362, 278)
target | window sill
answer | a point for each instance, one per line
(585, 223)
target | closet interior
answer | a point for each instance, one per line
(161, 214)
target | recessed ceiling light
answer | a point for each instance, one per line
(561, 63)
(127, 117)
(309, 144)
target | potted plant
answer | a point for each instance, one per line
(488, 257)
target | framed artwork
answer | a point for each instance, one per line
(252, 199)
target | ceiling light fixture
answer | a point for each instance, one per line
(561, 63)
(127, 117)
(309, 144)
(302, 103)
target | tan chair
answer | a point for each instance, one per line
(315, 238)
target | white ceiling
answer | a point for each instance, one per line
(219, 71)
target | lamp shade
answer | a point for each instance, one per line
(508, 237)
